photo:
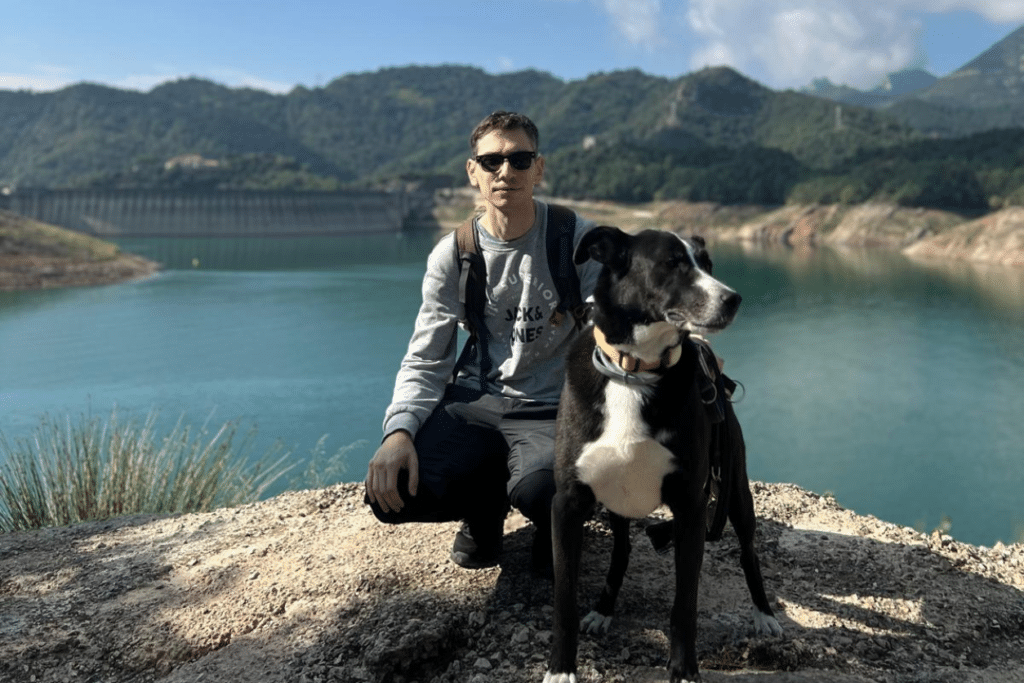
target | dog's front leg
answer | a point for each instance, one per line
(600, 618)
(689, 530)
(569, 510)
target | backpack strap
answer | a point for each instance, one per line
(561, 231)
(471, 267)
(472, 283)
(560, 239)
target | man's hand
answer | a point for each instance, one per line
(395, 454)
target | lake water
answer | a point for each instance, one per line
(895, 386)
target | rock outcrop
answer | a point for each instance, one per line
(309, 587)
(35, 255)
(996, 238)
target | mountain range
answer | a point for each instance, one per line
(985, 93)
(365, 128)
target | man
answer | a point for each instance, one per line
(467, 437)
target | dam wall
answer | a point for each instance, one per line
(145, 213)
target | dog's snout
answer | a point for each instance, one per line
(731, 301)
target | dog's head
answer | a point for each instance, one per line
(656, 276)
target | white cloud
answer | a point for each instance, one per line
(506, 64)
(234, 78)
(639, 21)
(44, 79)
(231, 78)
(999, 11)
(787, 43)
(50, 78)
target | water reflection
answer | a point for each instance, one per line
(1001, 285)
(280, 253)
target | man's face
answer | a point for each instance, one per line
(506, 188)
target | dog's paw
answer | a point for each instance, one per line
(765, 624)
(595, 623)
(559, 678)
(684, 678)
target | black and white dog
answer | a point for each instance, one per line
(633, 433)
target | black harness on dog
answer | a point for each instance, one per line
(715, 389)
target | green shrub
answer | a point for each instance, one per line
(74, 471)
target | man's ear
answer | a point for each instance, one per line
(470, 167)
(604, 244)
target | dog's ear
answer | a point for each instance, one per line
(605, 245)
(701, 253)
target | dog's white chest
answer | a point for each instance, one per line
(625, 466)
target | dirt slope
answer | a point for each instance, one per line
(309, 587)
(35, 255)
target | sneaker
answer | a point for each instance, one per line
(470, 555)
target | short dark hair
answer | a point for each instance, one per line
(504, 120)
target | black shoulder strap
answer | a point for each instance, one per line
(561, 231)
(471, 267)
(472, 284)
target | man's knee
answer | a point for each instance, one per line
(532, 494)
(423, 507)
(391, 517)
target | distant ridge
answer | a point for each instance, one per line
(362, 128)
(993, 78)
(896, 85)
(712, 135)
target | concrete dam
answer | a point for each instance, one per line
(142, 213)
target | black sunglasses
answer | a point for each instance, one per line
(520, 161)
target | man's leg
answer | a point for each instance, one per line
(530, 434)
(462, 476)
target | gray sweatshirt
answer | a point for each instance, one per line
(527, 353)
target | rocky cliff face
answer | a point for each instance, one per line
(995, 238)
(309, 587)
(922, 233)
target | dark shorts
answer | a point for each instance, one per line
(479, 453)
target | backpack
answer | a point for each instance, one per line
(473, 276)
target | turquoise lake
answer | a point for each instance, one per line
(895, 386)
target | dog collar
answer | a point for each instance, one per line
(604, 365)
(631, 364)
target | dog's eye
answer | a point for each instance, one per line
(678, 261)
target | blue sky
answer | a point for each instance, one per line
(48, 44)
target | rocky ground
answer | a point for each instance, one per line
(34, 255)
(309, 587)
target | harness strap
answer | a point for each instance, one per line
(560, 233)
(472, 281)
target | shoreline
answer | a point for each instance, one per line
(36, 255)
(995, 238)
(20, 274)
(935, 235)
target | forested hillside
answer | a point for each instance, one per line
(414, 119)
(711, 135)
